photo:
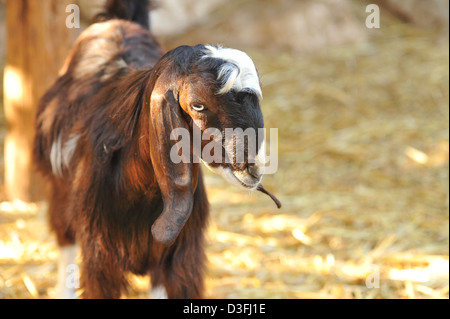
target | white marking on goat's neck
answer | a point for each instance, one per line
(66, 259)
(240, 71)
(158, 292)
(60, 155)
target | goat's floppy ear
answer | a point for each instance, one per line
(175, 180)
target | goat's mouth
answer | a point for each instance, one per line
(245, 179)
(235, 176)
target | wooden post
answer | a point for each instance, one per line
(37, 44)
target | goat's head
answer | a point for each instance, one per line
(210, 89)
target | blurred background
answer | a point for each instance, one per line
(363, 128)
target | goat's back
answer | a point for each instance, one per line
(103, 55)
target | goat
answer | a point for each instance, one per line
(102, 143)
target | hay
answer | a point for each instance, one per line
(363, 178)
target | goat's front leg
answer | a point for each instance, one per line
(181, 274)
(181, 266)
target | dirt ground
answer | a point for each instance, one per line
(363, 175)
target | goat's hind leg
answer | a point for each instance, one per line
(101, 276)
(59, 218)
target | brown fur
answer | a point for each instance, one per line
(110, 194)
(103, 143)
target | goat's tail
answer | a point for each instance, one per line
(132, 10)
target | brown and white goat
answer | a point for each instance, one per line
(102, 141)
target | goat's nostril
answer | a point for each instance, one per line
(253, 171)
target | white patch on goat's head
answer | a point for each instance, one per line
(239, 71)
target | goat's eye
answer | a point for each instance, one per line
(198, 107)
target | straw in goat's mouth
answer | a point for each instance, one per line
(263, 190)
